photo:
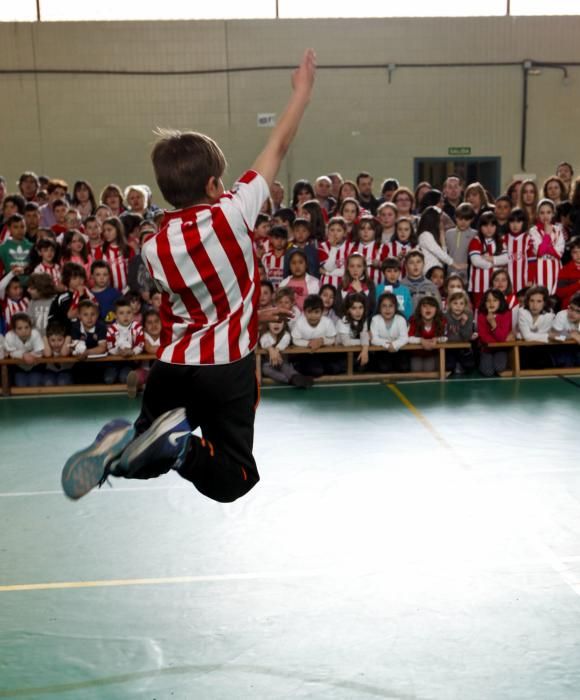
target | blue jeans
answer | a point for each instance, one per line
(32, 378)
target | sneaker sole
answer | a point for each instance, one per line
(163, 424)
(84, 470)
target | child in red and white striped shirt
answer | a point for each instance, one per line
(115, 251)
(47, 249)
(367, 234)
(203, 260)
(125, 338)
(333, 253)
(274, 260)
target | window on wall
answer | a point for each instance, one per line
(545, 7)
(21, 11)
(380, 8)
(94, 10)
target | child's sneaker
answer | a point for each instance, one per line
(88, 467)
(162, 446)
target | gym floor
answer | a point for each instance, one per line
(417, 541)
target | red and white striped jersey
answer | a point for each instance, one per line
(374, 252)
(52, 269)
(14, 306)
(120, 337)
(203, 259)
(548, 249)
(118, 264)
(333, 260)
(274, 267)
(519, 250)
(479, 278)
(399, 250)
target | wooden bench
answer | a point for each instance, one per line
(513, 346)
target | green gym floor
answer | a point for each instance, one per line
(418, 541)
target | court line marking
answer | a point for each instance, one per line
(556, 563)
(20, 494)
(163, 580)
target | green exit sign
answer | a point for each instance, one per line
(459, 150)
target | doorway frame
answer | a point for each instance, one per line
(464, 159)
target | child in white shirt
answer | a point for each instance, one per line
(313, 330)
(25, 343)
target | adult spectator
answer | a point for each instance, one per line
(565, 172)
(277, 195)
(452, 195)
(56, 189)
(28, 185)
(32, 221)
(323, 192)
(366, 198)
(337, 180)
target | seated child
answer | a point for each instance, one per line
(57, 345)
(23, 342)
(266, 294)
(427, 329)
(352, 328)
(275, 338)
(459, 329)
(389, 331)
(12, 297)
(65, 307)
(330, 302)
(136, 379)
(124, 337)
(494, 325)
(535, 321)
(566, 326)
(42, 292)
(313, 330)
(88, 339)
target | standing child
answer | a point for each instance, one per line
(569, 277)
(94, 235)
(115, 251)
(352, 328)
(427, 329)
(330, 302)
(518, 249)
(415, 280)
(15, 251)
(356, 279)
(47, 249)
(75, 250)
(299, 280)
(12, 297)
(431, 238)
(485, 255)
(387, 214)
(276, 338)
(42, 292)
(404, 240)
(368, 244)
(301, 231)
(494, 325)
(23, 342)
(104, 294)
(459, 329)
(389, 331)
(392, 283)
(333, 253)
(124, 338)
(350, 211)
(548, 244)
(274, 260)
(459, 237)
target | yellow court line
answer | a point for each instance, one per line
(115, 583)
(419, 416)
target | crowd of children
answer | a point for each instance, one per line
(411, 268)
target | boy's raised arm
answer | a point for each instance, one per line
(268, 162)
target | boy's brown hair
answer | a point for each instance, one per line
(183, 164)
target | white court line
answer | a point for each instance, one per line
(14, 494)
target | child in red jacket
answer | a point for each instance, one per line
(494, 325)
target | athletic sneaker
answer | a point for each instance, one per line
(89, 467)
(163, 445)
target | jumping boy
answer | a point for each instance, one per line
(203, 261)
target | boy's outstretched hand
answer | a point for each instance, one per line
(303, 76)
